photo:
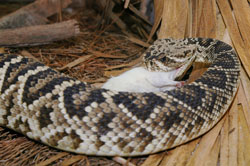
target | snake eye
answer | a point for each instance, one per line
(163, 59)
(147, 55)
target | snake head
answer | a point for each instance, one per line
(167, 55)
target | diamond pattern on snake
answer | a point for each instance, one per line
(71, 115)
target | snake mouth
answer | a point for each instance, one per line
(192, 72)
(184, 76)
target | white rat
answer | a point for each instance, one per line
(141, 80)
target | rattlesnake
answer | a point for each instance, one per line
(68, 114)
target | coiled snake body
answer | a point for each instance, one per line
(67, 114)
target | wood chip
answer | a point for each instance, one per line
(154, 159)
(2, 50)
(39, 34)
(122, 161)
(52, 159)
(28, 55)
(244, 139)
(105, 55)
(242, 99)
(233, 135)
(126, 4)
(224, 143)
(205, 146)
(213, 157)
(235, 35)
(132, 63)
(174, 24)
(138, 41)
(245, 82)
(76, 62)
(72, 160)
(138, 13)
(206, 19)
(33, 14)
(180, 155)
(118, 21)
(158, 5)
(242, 15)
(220, 25)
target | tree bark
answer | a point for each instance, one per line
(39, 34)
(35, 13)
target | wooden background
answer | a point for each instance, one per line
(228, 143)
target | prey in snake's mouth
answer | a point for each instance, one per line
(141, 80)
(166, 71)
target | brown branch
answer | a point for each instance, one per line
(32, 14)
(39, 34)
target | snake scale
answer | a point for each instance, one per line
(68, 114)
